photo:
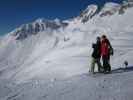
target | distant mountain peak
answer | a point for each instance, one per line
(42, 24)
(40, 20)
(110, 8)
(37, 26)
(88, 13)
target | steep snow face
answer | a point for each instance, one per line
(110, 9)
(130, 0)
(125, 5)
(38, 26)
(88, 13)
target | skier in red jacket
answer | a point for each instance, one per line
(106, 51)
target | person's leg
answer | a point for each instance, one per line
(109, 66)
(99, 65)
(105, 62)
(93, 61)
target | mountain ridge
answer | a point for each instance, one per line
(42, 24)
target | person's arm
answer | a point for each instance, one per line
(93, 45)
(110, 47)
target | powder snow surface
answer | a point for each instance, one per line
(54, 65)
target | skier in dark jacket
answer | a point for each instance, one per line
(106, 51)
(96, 55)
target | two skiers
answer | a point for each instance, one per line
(102, 49)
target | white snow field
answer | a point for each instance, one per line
(54, 65)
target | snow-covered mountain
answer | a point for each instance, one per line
(52, 60)
(110, 9)
(50, 25)
(38, 26)
(88, 13)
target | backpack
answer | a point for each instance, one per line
(111, 51)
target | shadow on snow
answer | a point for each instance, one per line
(121, 70)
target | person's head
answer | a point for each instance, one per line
(103, 37)
(98, 39)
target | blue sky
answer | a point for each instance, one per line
(13, 13)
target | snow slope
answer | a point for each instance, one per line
(88, 13)
(110, 9)
(53, 65)
(117, 86)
